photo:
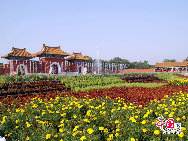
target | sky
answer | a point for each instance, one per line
(135, 30)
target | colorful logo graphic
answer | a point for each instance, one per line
(171, 127)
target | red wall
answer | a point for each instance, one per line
(46, 63)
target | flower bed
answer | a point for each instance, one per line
(143, 79)
(70, 118)
(177, 82)
(29, 87)
(136, 95)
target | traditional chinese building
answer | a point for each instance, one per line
(52, 60)
(19, 61)
(78, 62)
(171, 66)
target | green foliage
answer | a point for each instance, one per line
(186, 59)
(129, 65)
(169, 60)
(89, 82)
(167, 76)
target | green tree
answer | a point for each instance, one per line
(169, 60)
(117, 60)
(186, 59)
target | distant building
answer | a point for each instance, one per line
(52, 60)
(171, 67)
(77, 62)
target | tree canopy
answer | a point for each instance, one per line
(169, 60)
(186, 59)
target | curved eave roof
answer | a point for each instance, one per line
(51, 50)
(18, 53)
(78, 56)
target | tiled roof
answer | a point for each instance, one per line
(51, 50)
(16, 52)
(78, 56)
(171, 64)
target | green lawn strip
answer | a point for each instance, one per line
(167, 76)
(147, 85)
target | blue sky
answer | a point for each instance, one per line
(136, 30)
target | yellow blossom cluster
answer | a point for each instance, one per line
(70, 118)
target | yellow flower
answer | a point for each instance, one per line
(64, 114)
(105, 130)
(132, 139)
(83, 138)
(183, 128)
(101, 128)
(22, 110)
(133, 120)
(56, 136)
(156, 132)
(16, 127)
(181, 135)
(9, 134)
(74, 134)
(48, 136)
(90, 131)
(170, 115)
(3, 121)
(17, 120)
(146, 115)
(116, 134)
(183, 117)
(28, 125)
(75, 128)
(117, 130)
(144, 130)
(113, 110)
(60, 130)
(178, 119)
(111, 136)
(86, 120)
(116, 122)
(108, 139)
(17, 110)
(166, 113)
(143, 122)
(27, 138)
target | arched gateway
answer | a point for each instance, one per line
(21, 69)
(55, 68)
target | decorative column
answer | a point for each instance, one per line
(10, 66)
(30, 66)
(36, 67)
(33, 67)
(13, 66)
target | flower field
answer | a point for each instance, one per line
(114, 113)
(177, 82)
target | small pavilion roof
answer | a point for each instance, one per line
(51, 50)
(18, 53)
(171, 64)
(77, 56)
